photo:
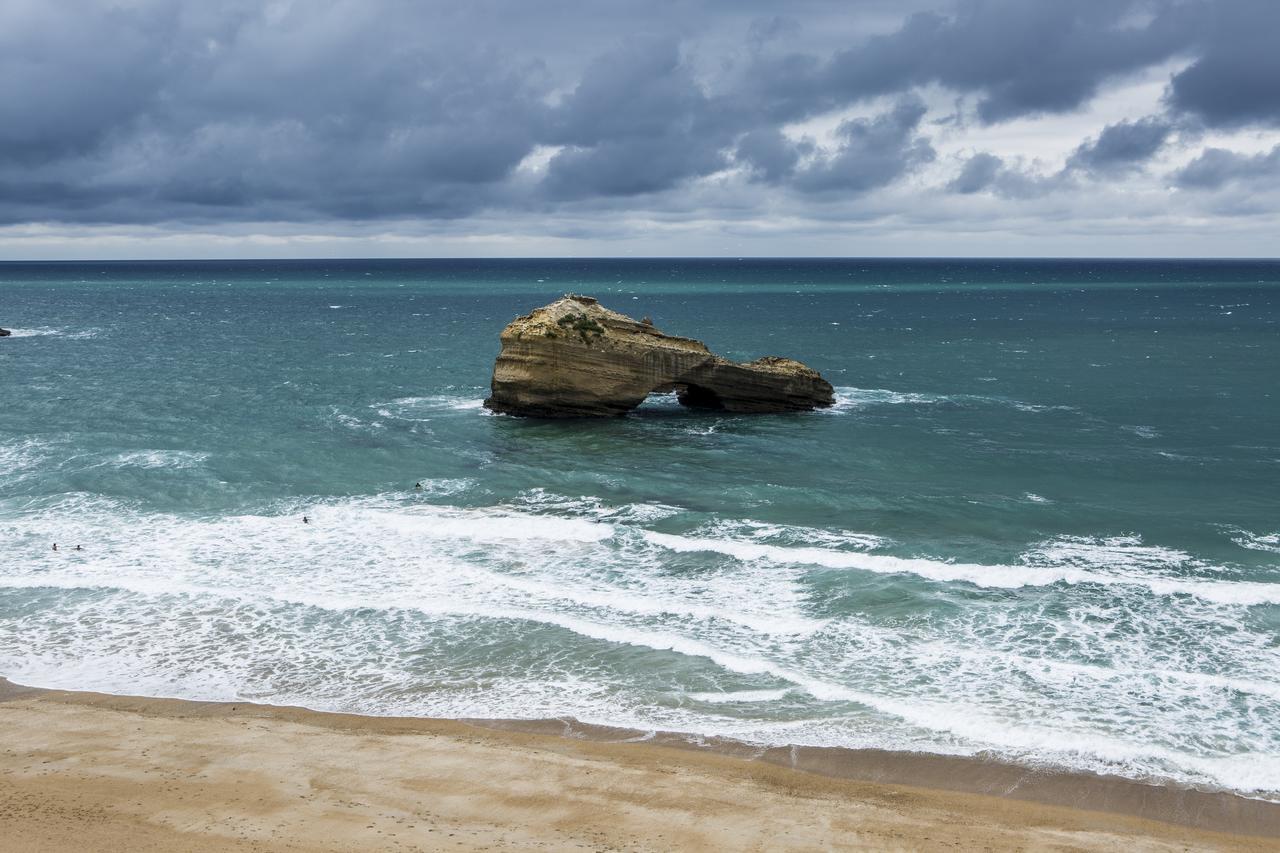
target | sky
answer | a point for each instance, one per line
(416, 128)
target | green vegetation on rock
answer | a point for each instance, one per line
(582, 324)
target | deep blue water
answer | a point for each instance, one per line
(1043, 518)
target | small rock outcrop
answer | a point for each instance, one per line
(576, 358)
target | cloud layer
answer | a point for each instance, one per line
(557, 118)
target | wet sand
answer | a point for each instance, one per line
(85, 771)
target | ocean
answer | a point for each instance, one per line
(1042, 521)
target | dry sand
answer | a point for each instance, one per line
(88, 772)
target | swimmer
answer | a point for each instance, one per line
(417, 487)
(306, 520)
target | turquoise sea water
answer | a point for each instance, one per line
(1043, 519)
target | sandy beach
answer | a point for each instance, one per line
(88, 771)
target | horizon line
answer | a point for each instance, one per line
(482, 258)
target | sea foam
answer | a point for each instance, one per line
(48, 331)
(555, 605)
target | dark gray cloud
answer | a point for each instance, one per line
(770, 155)
(158, 111)
(1217, 167)
(873, 152)
(1019, 58)
(1119, 149)
(1123, 146)
(638, 122)
(1234, 80)
(985, 172)
(979, 173)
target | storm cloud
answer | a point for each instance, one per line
(159, 113)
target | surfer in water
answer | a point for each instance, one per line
(417, 487)
(306, 520)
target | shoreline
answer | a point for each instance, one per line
(878, 795)
(1181, 805)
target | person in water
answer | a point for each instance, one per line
(417, 487)
(78, 548)
(55, 546)
(306, 520)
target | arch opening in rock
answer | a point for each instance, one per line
(699, 397)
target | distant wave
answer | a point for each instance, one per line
(17, 455)
(354, 423)
(543, 501)
(859, 398)
(22, 459)
(26, 457)
(793, 535)
(851, 399)
(159, 459)
(1141, 431)
(428, 407)
(1256, 541)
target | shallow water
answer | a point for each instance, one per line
(1042, 519)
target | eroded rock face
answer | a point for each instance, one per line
(576, 358)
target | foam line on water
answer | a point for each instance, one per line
(49, 331)
(1056, 744)
(981, 575)
(408, 408)
(1037, 666)
(849, 398)
(786, 534)
(859, 398)
(23, 453)
(479, 526)
(158, 459)
(1269, 542)
(733, 697)
(619, 600)
(593, 507)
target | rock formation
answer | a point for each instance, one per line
(576, 358)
